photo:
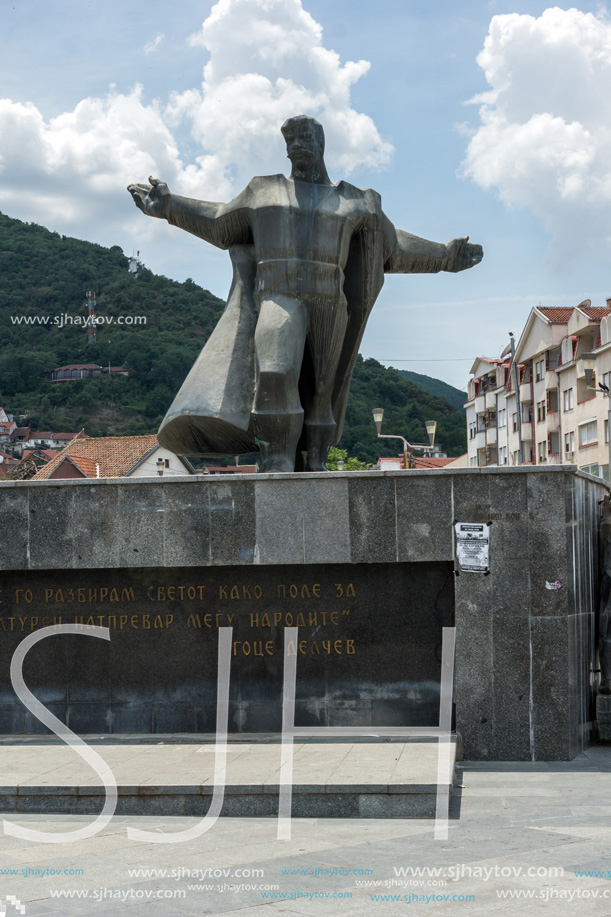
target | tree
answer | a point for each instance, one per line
(341, 455)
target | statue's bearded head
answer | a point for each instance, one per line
(305, 147)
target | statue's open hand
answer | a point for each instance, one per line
(152, 199)
(461, 254)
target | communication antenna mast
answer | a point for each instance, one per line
(90, 292)
(134, 264)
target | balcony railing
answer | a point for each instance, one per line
(525, 392)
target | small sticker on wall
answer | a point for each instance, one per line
(554, 585)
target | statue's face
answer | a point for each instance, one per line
(303, 147)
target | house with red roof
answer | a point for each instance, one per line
(6, 430)
(113, 457)
(73, 371)
(47, 439)
(538, 407)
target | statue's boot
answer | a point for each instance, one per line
(277, 436)
(319, 439)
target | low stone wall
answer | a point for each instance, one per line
(362, 563)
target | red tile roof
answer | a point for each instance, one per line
(50, 453)
(595, 312)
(558, 315)
(86, 465)
(420, 461)
(78, 366)
(116, 455)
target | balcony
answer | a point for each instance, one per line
(490, 400)
(479, 440)
(553, 459)
(553, 424)
(527, 431)
(491, 436)
(526, 392)
(480, 404)
(551, 380)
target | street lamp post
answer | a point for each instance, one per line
(431, 427)
(589, 362)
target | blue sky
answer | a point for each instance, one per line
(525, 171)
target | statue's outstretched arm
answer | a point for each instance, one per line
(408, 254)
(220, 224)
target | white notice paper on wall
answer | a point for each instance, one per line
(473, 546)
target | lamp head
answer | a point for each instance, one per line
(378, 416)
(589, 362)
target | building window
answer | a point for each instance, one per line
(539, 370)
(540, 411)
(472, 429)
(569, 443)
(568, 399)
(515, 423)
(606, 431)
(606, 379)
(591, 469)
(473, 461)
(502, 455)
(542, 452)
(588, 433)
(515, 458)
(503, 417)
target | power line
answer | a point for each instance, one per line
(424, 360)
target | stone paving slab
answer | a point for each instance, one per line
(374, 779)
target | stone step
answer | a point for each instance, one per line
(372, 778)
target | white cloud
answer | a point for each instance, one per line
(545, 136)
(266, 62)
(75, 167)
(154, 44)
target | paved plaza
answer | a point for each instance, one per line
(516, 829)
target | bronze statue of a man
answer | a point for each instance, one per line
(309, 258)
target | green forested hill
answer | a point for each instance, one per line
(45, 274)
(435, 387)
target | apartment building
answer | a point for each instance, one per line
(539, 409)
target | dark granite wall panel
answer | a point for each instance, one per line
(526, 660)
(368, 648)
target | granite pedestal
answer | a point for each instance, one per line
(362, 563)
